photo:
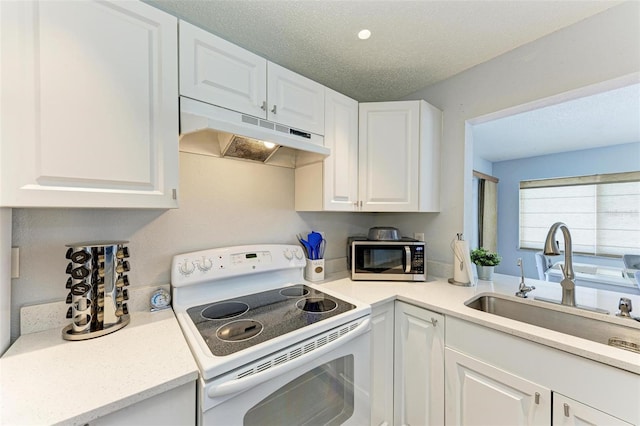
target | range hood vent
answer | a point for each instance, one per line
(210, 130)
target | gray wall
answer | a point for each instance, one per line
(5, 283)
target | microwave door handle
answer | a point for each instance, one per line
(407, 259)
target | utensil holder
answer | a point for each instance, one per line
(314, 270)
(96, 289)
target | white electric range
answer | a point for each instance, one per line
(272, 348)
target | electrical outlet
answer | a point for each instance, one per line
(419, 236)
(15, 262)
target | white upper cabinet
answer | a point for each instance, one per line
(341, 167)
(385, 157)
(220, 73)
(294, 100)
(215, 71)
(332, 185)
(89, 105)
(399, 154)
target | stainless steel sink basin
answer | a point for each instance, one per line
(602, 330)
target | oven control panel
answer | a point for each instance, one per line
(219, 263)
(251, 258)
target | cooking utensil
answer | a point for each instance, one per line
(308, 251)
(315, 239)
(321, 248)
(383, 233)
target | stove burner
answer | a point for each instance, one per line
(294, 291)
(236, 331)
(316, 305)
(225, 310)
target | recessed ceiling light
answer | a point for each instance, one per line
(364, 34)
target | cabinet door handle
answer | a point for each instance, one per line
(537, 398)
(273, 110)
(566, 410)
(264, 106)
(434, 322)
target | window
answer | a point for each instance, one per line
(601, 211)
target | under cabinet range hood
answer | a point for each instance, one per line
(211, 130)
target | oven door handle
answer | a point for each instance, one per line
(253, 380)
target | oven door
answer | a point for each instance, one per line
(328, 386)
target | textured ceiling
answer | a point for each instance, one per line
(414, 43)
(608, 118)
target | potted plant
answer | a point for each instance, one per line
(485, 262)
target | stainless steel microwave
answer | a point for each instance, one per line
(388, 260)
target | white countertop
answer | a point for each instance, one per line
(47, 380)
(440, 296)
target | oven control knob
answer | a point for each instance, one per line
(288, 254)
(204, 264)
(298, 254)
(186, 268)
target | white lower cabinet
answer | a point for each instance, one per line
(174, 407)
(493, 378)
(382, 330)
(567, 412)
(418, 367)
(482, 394)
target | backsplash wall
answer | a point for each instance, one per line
(223, 202)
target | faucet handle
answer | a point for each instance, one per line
(523, 290)
(625, 307)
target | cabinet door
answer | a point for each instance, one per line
(215, 71)
(567, 412)
(174, 407)
(295, 100)
(419, 366)
(382, 332)
(90, 105)
(389, 156)
(341, 167)
(481, 394)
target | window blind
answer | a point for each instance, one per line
(601, 211)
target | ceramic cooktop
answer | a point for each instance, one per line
(232, 325)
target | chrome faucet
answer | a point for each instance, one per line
(551, 249)
(523, 289)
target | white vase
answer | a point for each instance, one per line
(485, 272)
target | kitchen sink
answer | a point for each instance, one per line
(531, 312)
